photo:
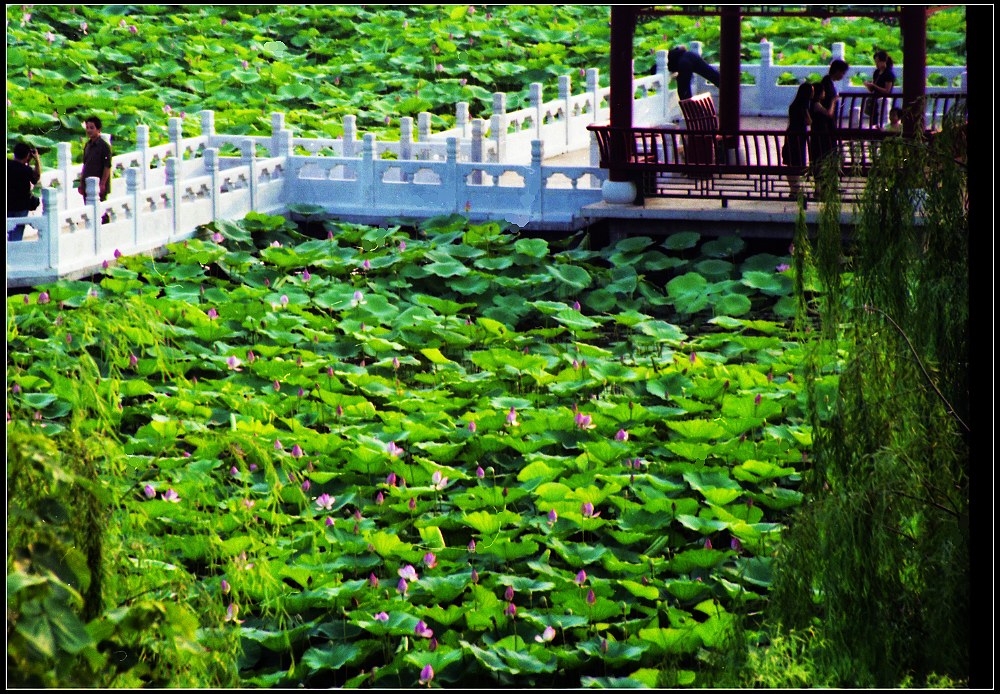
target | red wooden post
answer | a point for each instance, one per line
(729, 67)
(623, 19)
(913, 30)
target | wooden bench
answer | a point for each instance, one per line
(700, 116)
(756, 172)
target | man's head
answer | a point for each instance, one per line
(93, 126)
(22, 151)
(838, 68)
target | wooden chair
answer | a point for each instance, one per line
(700, 116)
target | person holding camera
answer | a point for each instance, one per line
(22, 177)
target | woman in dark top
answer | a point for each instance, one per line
(883, 80)
(793, 152)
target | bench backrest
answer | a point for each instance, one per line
(699, 113)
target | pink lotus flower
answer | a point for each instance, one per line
(512, 418)
(393, 450)
(379, 499)
(132, 360)
(511, 610)
(472, 426)
(426, 674)
(581, 578)
(233, 363)
(306, 276)
(402, 246)
(325, 501)
(430, 561)
(277, 445)
(367, 265)
(553, 516)
(305, 485)
(171, 496)
(382, 617)
(133, 29)
(43, 298)
(622, 435)
(508, 594)
(708, 543)
(276, 385)
(328, 522)
(421, 630)
(231, 613)
(50, 37)
(212, 313)
(438, 482)
(591, 598)
(224, 586)
(149, 491)
(297, 451)
(587, 510)
(408, 573)
(359, 298)
(480, 473)
(391, 479)
(472, 546)
(402, 586)
(546, 636)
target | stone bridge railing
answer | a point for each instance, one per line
(485, 168)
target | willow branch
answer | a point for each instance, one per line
(951, 410)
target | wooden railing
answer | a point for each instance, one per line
(732, 165)
(861, 109)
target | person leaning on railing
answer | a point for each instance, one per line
(793, 151)
(21, 178)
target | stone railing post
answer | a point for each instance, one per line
(450, 181)
(424, 132)
(476, 149)
(284, 143)
(142, 147)
(175, 136)
(92, 187)
(277, 126)
(664, 75)
(535, 99)
(405, 146)
(462, 118)
(565, 91)
(64, 159)
(498, 124)
(366, 171)
(350, 138)
(132, 187)
(698, 83)
(536, 183)
(248, 153)
(207, 119)
(767, 77)
(174, 183)
(594, 89)
(212, 169)
(51, 206)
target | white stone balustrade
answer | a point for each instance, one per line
(486, 168)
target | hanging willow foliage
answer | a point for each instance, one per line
(878, 563)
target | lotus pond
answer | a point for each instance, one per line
(443, 454)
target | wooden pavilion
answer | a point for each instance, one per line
(620, 141)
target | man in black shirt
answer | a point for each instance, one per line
(686, 64)
(96, 159)
(21, 178)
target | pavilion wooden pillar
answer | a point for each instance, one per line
(729, 67)
(913, 30)
(623, 21)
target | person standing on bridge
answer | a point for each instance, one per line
(793, 151)
(21, 178)
(685, 64)
(96, 159)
